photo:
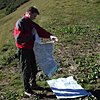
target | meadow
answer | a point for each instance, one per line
(77, 26)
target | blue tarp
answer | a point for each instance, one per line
(44, 57)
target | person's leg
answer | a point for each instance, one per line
(34, 68)
(34, 86)
(26, 69)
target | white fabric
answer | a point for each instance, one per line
(67, 88)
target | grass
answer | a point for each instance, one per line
(77, 25)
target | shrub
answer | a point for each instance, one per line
(11, 5)
(2, 4)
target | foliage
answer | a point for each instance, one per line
(87, 61)
(11, 5)
(88, 68)
(3, 4)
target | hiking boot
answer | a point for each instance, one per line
(30, 93)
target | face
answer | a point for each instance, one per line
(33, 16)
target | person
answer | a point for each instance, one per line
(24, 39)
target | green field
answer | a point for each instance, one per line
(76, 23)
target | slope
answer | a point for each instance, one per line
(77, 25)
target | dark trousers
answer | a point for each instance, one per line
(28, 66)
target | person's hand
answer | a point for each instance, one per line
(54, 38)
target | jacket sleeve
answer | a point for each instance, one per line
(19, 33)
(42, 32)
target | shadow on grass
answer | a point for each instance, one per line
(43, 94)
(48, 94)
(95, 93)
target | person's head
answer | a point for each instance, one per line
(32, 12)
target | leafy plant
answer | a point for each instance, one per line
(89, 68)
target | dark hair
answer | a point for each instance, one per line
(33, 9)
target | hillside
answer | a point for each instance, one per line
(77, 25)
(55, 14)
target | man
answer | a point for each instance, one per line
(24, 39)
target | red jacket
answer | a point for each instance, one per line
(23, 33)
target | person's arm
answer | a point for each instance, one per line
(42, 32)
